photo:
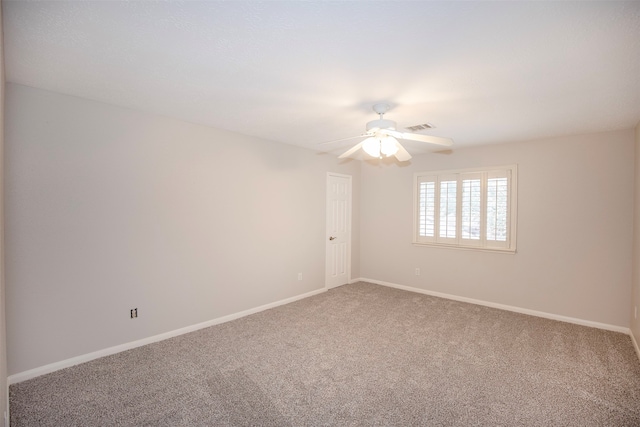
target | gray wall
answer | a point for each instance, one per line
(575, 216)
(110, 209)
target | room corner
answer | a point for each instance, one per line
(635, 286)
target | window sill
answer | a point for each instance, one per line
(467, 248)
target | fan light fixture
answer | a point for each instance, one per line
(380, 146)
(382, 138)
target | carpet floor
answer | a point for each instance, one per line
(358, 355)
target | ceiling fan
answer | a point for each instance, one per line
(382, 138)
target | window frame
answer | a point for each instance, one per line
(459, 242)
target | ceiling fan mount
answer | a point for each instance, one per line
(382, 138)
(381, 108)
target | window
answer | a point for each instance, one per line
(467, 208)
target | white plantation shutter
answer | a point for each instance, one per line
(474, 209)
(448, 213)
(427, 208)
(498, 208)
(471, 209)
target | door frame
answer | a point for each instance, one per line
(349, 225)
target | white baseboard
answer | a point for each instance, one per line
(52, 367)
(32, 373)
(504, 307)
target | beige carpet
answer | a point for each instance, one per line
(358, 355)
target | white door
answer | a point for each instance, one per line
(338, 235)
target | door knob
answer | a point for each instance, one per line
(332, 238)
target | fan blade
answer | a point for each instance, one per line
(343, 139)
(402, 155)
(438, 140)
(351, 150)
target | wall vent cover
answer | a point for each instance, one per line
(420, 127)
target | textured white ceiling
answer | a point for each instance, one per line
(306, 72)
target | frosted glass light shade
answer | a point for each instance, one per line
(371, 146)
(378, 147)
(389, 146)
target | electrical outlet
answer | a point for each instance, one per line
(417, 271)
(134, 313)
(299, 276)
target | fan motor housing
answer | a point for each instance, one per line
(381, 124)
